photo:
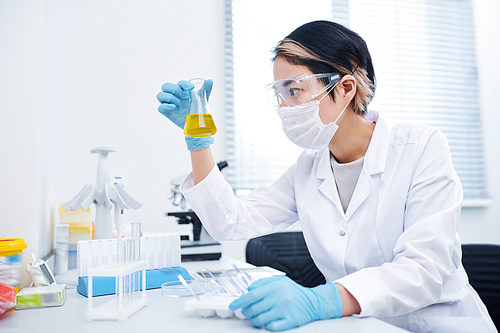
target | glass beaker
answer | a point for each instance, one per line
(199, 121)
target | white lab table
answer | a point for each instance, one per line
(163, 314)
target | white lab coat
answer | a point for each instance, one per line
(395, 249)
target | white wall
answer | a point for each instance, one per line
(102, 64)
(79, 74)
(20, 54)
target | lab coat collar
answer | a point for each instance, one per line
(374, 163)
(324, 174)
(376, 154)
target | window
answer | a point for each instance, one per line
(424, 59)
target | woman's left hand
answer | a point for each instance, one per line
(278, 303)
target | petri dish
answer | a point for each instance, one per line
(177, 289)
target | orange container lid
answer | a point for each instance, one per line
(12, 245)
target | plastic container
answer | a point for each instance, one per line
(62, 248)
(11, 261)
(207, 307)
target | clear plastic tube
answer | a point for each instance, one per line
(136, 239)
(127, 278)
(120, 255)
(235, 284)
(219, 282)
(136, 255)
(204, 284)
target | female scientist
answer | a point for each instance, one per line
(379, 204)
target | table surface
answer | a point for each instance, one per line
(162, 314)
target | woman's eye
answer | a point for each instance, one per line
(293, 91)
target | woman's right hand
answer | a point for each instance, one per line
(174, 99)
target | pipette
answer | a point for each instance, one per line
(221, 284)
(188, 287)
(243, 276)
(211, 283)
(234, 283)
(248, 276)
(202, 282)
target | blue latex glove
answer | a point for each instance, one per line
(174, 99)
(278, 303)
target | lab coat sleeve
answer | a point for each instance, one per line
(426, 253)
(266, 210)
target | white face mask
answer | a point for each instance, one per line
(303, 126)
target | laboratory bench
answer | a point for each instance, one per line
(162, 314)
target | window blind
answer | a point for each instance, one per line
(424, 58)
(256, 149)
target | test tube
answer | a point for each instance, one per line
(110, 251)
(94, 253)
(136, 256)
(136, 239)
(119, 280)
(130, 277)
(120, 255)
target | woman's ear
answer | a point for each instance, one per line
(347, 87)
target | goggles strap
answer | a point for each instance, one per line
(345, 107)
(354, 71)
(328, 92)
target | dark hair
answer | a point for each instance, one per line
(325, 47)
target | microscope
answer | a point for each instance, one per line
(200, 246)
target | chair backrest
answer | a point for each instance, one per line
(287, 252)
(482, 264)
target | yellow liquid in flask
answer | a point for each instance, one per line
(199, 125)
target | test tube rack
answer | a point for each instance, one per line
(157, 251)
(127, 300)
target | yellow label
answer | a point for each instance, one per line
(79, 229)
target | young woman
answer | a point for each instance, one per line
(379, 204)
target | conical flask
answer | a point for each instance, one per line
(199, 121)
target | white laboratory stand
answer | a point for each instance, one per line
(165, 314)
(124, 303)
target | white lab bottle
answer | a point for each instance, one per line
(62, 248)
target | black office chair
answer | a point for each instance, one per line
(287, 252)
(482, 264)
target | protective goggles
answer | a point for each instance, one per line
(300, 89)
